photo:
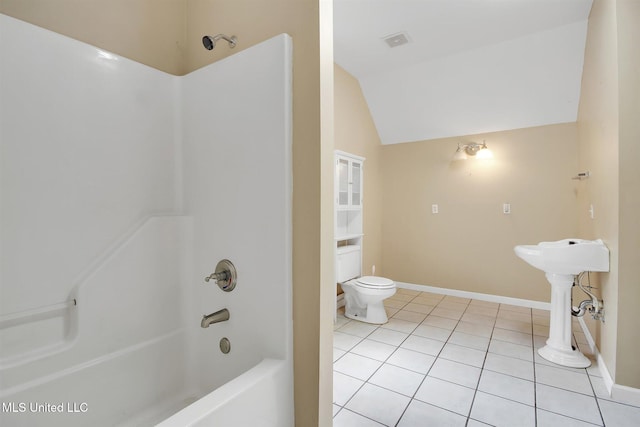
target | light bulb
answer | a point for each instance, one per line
(484, 153)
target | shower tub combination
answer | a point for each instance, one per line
(121, 189)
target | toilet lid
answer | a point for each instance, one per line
(375, 282)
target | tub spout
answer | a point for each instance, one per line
(218, 316)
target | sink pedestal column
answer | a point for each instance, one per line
(559, 349)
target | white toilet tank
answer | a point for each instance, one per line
(348, 263)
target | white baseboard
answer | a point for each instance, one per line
(617, 392)
(624, 394)
(604, 372)
(476, 295)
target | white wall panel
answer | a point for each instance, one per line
(87, 153)
(237, 157)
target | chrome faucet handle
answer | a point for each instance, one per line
(225, 275)
(222, 276)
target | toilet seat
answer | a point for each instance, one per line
(374, 282)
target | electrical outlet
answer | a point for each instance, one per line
(506, 208)
(434, 209)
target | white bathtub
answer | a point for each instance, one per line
(255, 398)
(129, 190)
(125, 390)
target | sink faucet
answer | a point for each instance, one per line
(218, 316)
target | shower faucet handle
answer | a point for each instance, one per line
(222, 276)
(225, 275)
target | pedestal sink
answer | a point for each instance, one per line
(561, 261)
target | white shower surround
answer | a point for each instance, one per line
(121, 188)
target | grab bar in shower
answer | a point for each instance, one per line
(35, 314)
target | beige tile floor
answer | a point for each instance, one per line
(450, 361)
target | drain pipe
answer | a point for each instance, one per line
(594, 305)
(582, 308)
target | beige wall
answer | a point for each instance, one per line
(627, 366)
(151, 32)
(166, 34)
(598, 136)
(356, 133)
(609, 133)
(469, 244)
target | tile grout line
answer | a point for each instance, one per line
(413, 396)
(482, 368)
(484, 361)
(334, 370)
(535, 385)
(364, 381)
(438, 356)
(595, 396)
(383, 363)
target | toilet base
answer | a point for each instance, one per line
(570, 358)
(372, 313)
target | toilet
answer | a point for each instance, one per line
(363, 295)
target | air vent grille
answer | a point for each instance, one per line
(395, 40)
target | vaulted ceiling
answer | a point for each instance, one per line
(470, 66)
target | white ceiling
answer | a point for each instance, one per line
(471, 66)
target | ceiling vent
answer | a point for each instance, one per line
(395, 40)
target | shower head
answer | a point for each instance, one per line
(210, 42)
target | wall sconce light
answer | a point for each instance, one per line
(478, 151)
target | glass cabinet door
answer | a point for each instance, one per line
(356, 186)
(343, 182)
(348, 189)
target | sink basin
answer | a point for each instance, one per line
(569, 256)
